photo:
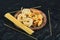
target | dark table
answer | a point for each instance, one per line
(42, 34)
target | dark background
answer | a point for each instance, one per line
(43, 34)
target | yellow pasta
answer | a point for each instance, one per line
(18, 23)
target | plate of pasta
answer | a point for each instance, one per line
(32, 18)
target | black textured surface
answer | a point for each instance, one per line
(43, 34)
